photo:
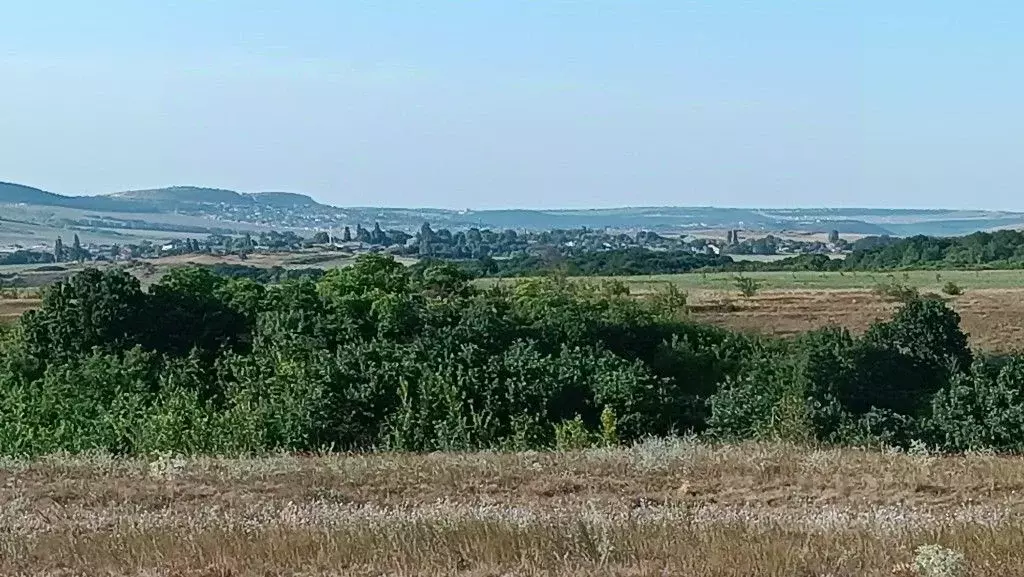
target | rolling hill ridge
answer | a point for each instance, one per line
(220, 209)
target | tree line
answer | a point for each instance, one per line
(999, 250)
(618, 262)
(380, 356)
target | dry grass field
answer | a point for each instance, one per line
(11, 309)
(661, 508)
(994, 318)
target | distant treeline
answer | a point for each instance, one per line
(1002, 249)
(998, 250)
(619, 262)
(630, 262)
(26, 257)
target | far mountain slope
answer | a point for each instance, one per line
(189, 194)
(11, 193)
(216, 209)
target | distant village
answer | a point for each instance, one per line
(427, 242)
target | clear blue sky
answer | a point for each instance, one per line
(530, 103)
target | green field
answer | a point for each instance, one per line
(810, 280)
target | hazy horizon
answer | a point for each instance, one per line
(515, 104)
(554, 207)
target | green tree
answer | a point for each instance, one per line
(188, 312)
(362, 235)
(59, 253)
(105, 309)
(76, 249)
(425, 240)
(377, 236)
(928, 330)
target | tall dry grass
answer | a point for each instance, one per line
(662, 508)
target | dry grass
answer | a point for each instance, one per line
(994, 318)
(663, 508)
(12, 309)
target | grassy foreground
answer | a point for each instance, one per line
(661, 508)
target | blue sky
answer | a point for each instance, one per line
(530, 103)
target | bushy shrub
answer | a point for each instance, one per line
(897, 292)
(788, 391)
(89, 403)
(574, 435)
(982, 410)
(952, 289)
(927, 330)
(884, 428)
(747, 286)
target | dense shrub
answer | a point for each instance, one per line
(952, 289)
(788, 390)
(897, 292)
(982, 410)
(380, 356)
(827, 386)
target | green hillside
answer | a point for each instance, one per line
(11, 193)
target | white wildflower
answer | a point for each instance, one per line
(938, 561)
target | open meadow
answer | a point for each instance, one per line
(672, 507)
(993, 318)
(924, 280)
(991, 306)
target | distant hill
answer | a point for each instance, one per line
(283, 199)
(197, 208)
(174, 195)
(11, 193)
(189, 194)
(154, 200)
(20, 194)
